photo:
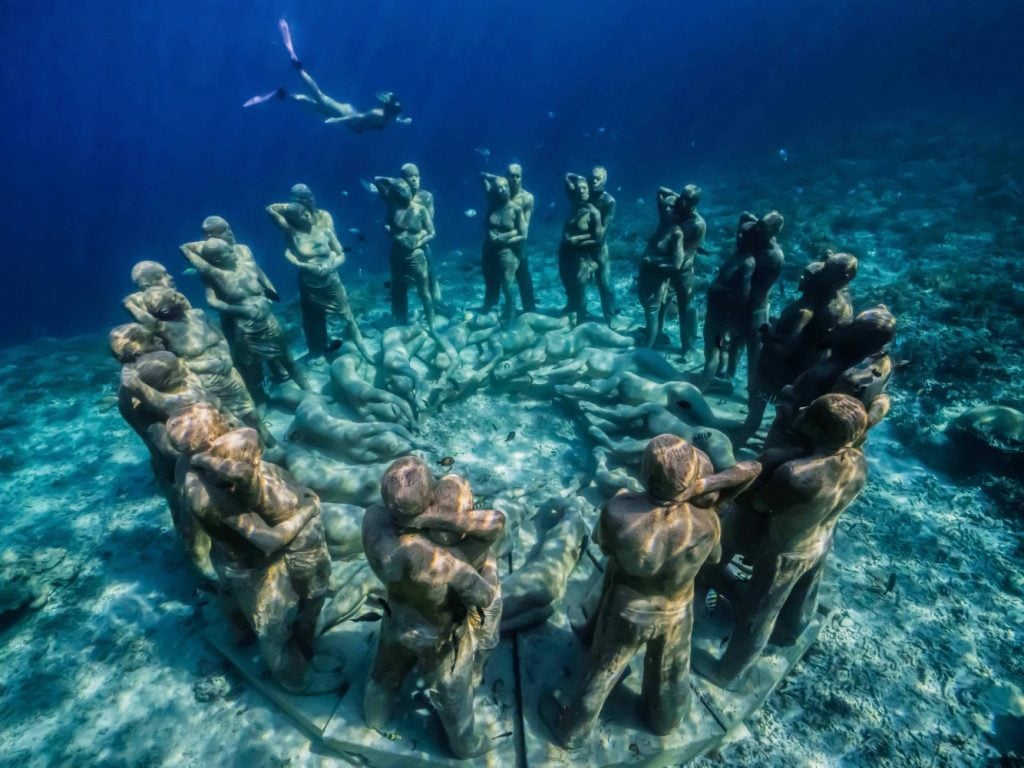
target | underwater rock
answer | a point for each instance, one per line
(28, 581)
(989, 438)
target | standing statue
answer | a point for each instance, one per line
(800, 494)
(738, 300)
(603, 201)
(411, 228)
(433, 552)
(579, 249)
(524, 200)
(656, 542)
(237, 288)
(505, 235)
(663, 260)
(268, 549)
(411, 176)
(311, 244)
(799, 337)
(190, 335)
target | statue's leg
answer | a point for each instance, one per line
(451, 674)
(419, 274)
(604, 284)
(390, 666)
(650, 292)
(525, 281)
(799, 610)
(508, 264)
(683, 286)
(271, 605)
(492, 281)
(616, 641)
(399, 288)
(314, 325)
(666, 684)
(771, 584)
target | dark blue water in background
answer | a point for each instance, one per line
(123, 124)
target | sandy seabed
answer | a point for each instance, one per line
(101, 661)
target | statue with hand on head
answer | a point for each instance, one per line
(505, 233)
(411, 228)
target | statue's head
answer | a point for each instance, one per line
(869, 333)
(832, 422)
(669, 467)
(146, 274)
(194, 428)
(303, 195)
(411, 176)
(500, 190)
(163, 371)
(407, 488)
(771, 224)
(165, 303)
(514, 174)
(130, 341)
(298, 216)
(598, 179)
(219, 253)
(217, 226)
(577, 187)
(233, 463)
(453, 494)
(689, 199)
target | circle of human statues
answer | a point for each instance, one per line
(264, 518)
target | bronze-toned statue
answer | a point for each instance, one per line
(580, 248)
(411, 229)
(504, 238)
(656, 542)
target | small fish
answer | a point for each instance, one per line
(510, 436)
(387, 284)
(483, 151)
(361, 237)
(551, 204)
(551, 115)
(344, 193)
(601, 129)
(890, 585)
(641, 201)
(447, 461)
(783, 155)
(711, 602)
(190, 271)
(369, 187)
(469, 213)
(354, 230)
(618, 189)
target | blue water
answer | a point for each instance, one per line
(123, 123)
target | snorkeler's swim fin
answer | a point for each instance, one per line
(286, 35)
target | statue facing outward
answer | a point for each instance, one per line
(433, 552)
(656, 542)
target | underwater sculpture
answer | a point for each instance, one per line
(789, 518)
(147, 274)
(433, 552)
(311, 244)
(361, 442)
(603, 201)
(504, 239)
(579, 248)
(335, 111)
(268, 550)
(738, 300)
(190, 335)
(987, 438)
(411, 228)
(667, 265)
(524, 199)
(411, 176)
(656, 542)
(238, 289)
(858, 364)
(369, 402)
(799, 337)
(130, 341)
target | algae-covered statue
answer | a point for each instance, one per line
(268, 549)
(603, 201)
(738, 299)
(433, 552)
(504, 238)
(799, 337)
(579, 248)
(656, 542)
(524, 200)
(666, 268)
(411, 229)
(411, 176)
(237, 288)
(794, 507)
(190, 335)
(311, 244)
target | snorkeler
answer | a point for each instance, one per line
(374, 119)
